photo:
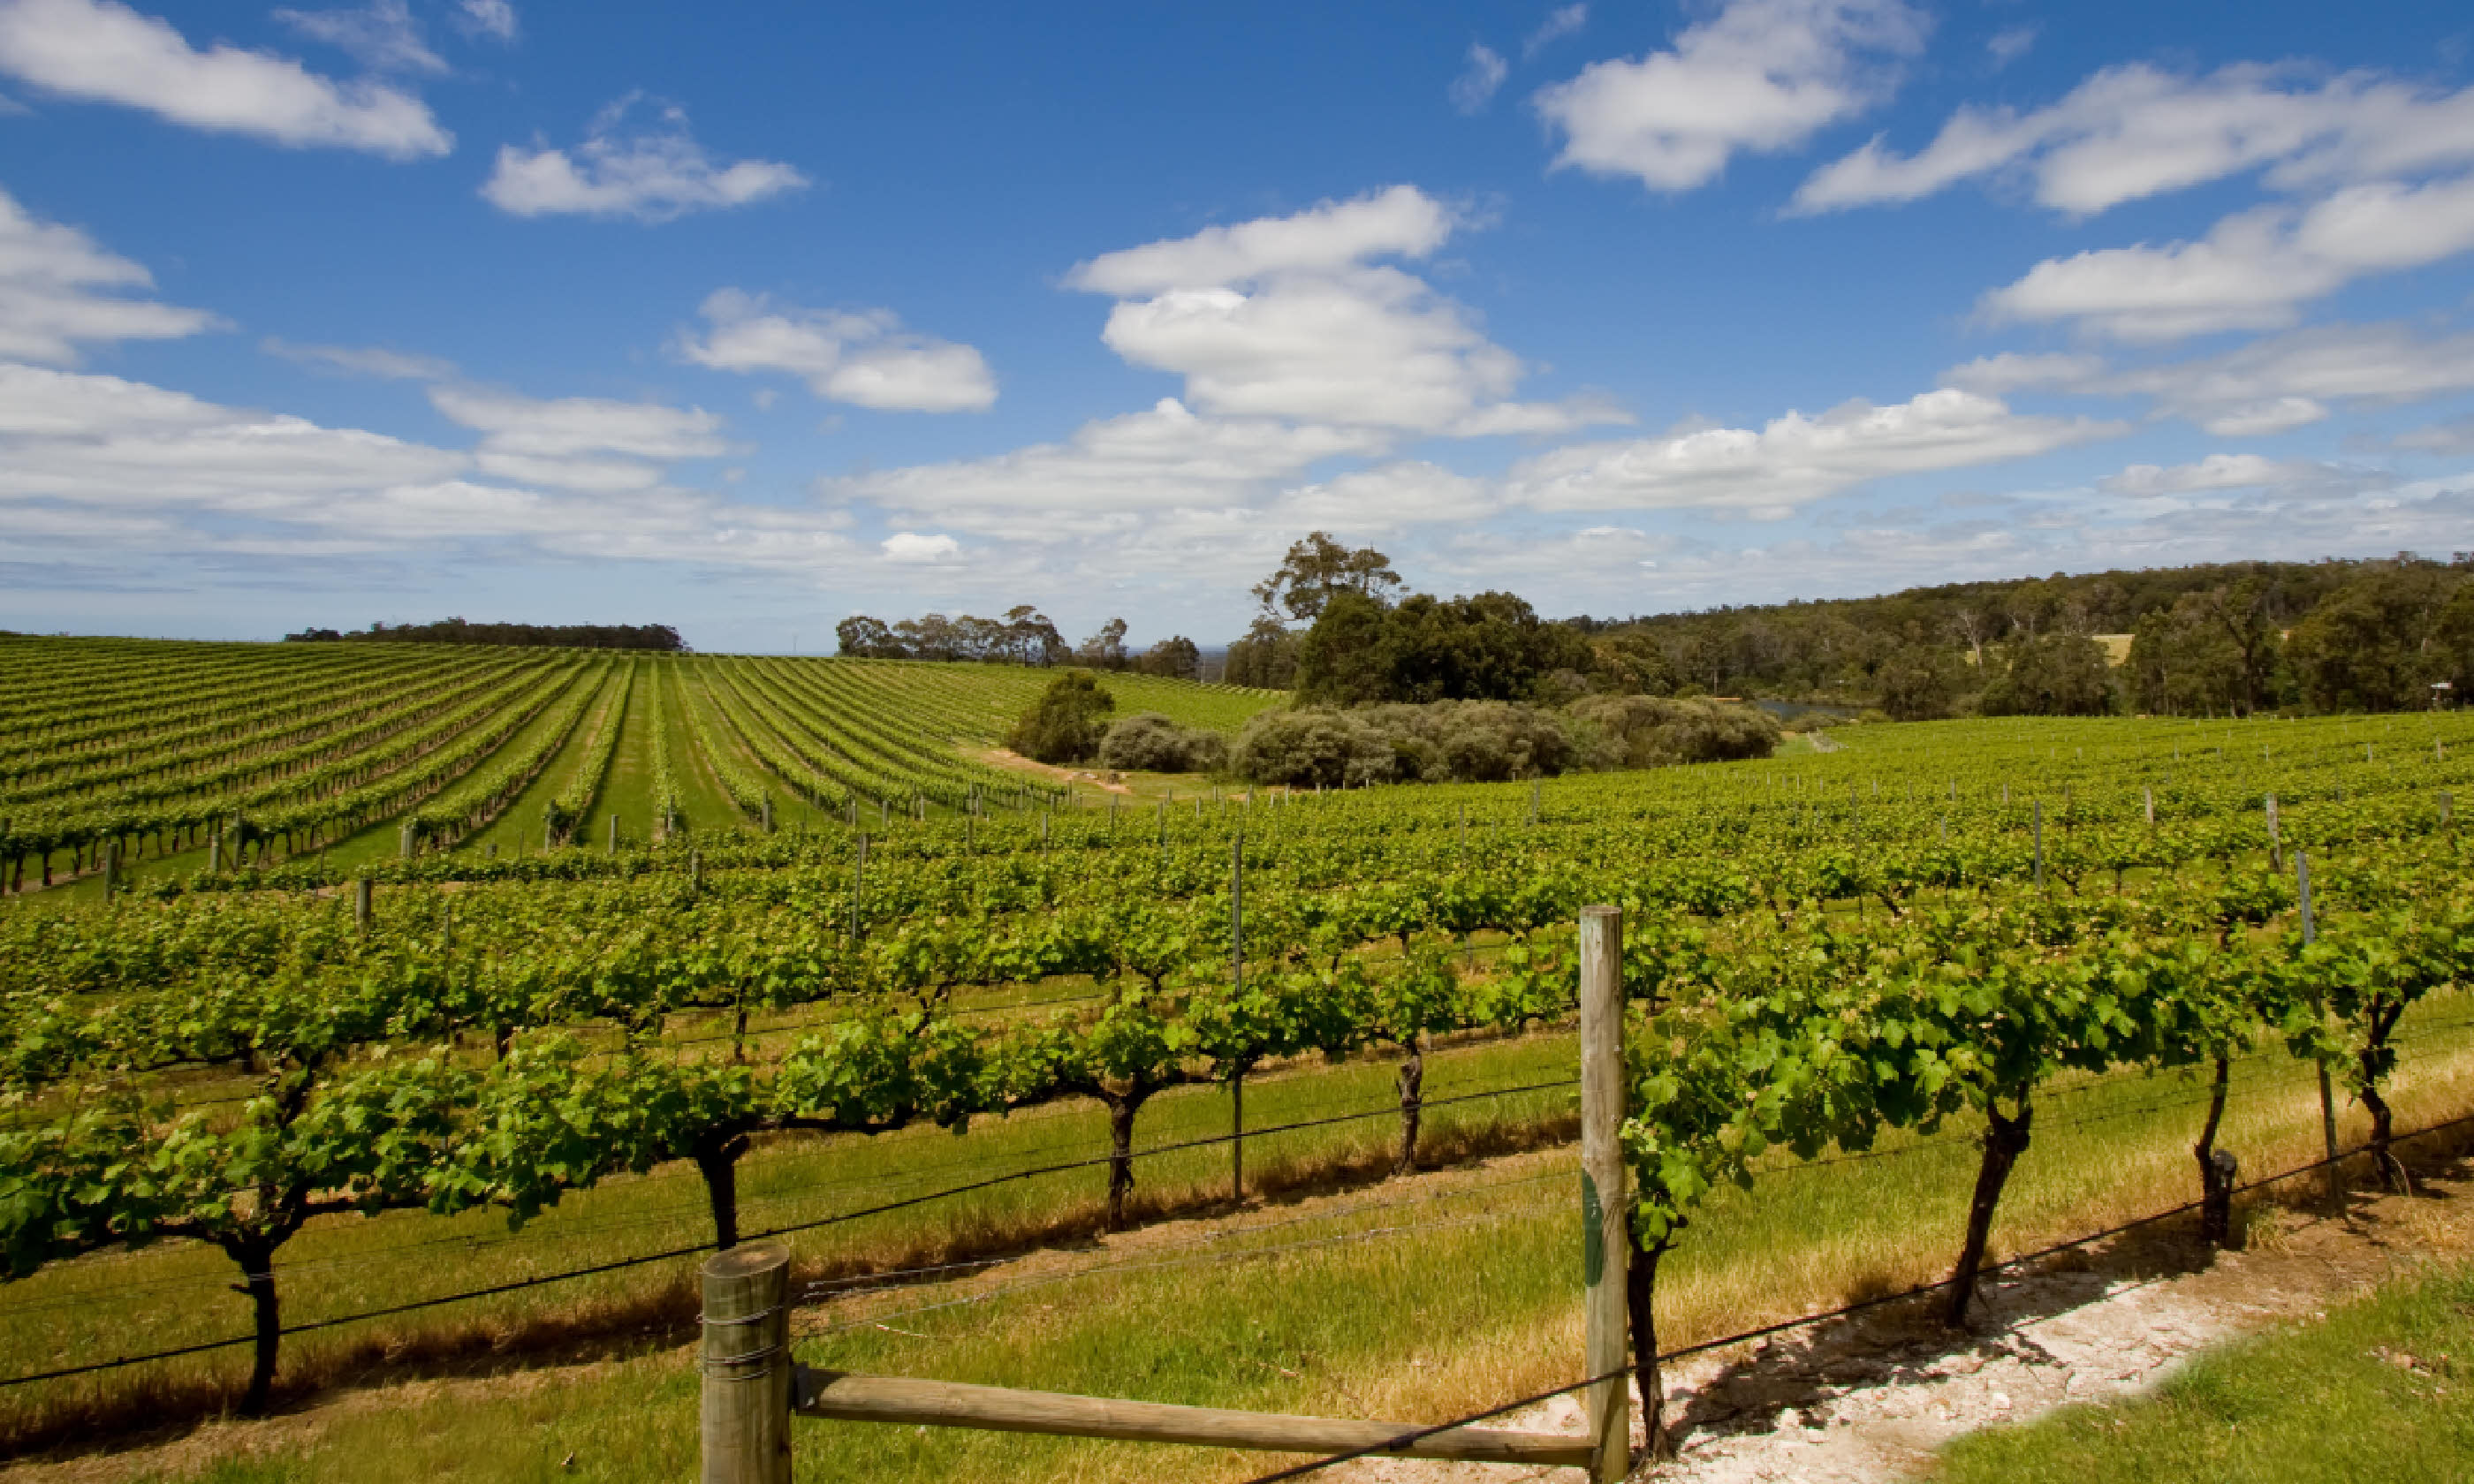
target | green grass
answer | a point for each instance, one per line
(1388, 1304)
(2382, 1389)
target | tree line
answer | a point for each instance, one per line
(1023, 636)
(457, 631)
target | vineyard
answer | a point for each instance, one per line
(384, 1045)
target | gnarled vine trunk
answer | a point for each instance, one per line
(1413, 1104)
(255, 1257)
(2217, 1167)
(1120, 1157)
(1640, 1309)
(2006, 1139)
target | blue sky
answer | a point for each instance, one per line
(748, 318)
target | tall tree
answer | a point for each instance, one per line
(1319, 567)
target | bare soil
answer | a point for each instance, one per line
(1869, 1398)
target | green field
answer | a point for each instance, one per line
(589, 1039)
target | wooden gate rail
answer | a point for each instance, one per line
(752, 1388)
(883, 1399)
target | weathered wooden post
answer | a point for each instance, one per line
(361, 903)
(2040, 844)
(2147, 800)
(695, 870)
(768, 813)
(2327, 1097)
(1237, 985)
(745, 1411)
(2275, 838)
(215, 850)
(1605, 1208)
(613, 848)
(110, 869)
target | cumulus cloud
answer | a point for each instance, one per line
(2455, 436)
(1285, 316)
(861, 356)
(912, 548)
(1475, 86)
(382, 36)
(1562, 23)
(2137, 131)
(59, 288)
(1999, 375)
(1399, 221)
(2253, 271)
(101, 467)
(361, 361)
(2216, 471)
(2286, 381)
(1793, 460)
(579, 442)
(2008, 44)
(1761, 76)
(651, 174)
(1386, 498)
(492, 18)
(1141, 463)
(100, 51)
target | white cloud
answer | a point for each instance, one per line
(1760, 75)
(579, 442)
(104, 52)
(2455, 436)
(1999, 375)
(1475, 87)
(362, 360)
(1285, 317)
(1399, 221)
(58, 288)
(382, 38)
(911, 547)
(863, 357)
(2253, 271)
(1388, 498)
(2216, 471)
(2010, 43)
(1113, 468)
(127, 467)
(492, 18)
(2135, 130)
(652, 175)
(1562, 23)
(1794, 460)
(2286, 381)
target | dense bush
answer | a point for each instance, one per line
(1491, 741)
(1148, 742)
(1472, 741)
(1065, 724)
(1313, 749)
(1652, 731)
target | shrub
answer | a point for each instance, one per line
(1064, 725)
(1151, 743)
(1473, 741)
(1309, 747)
(1650, 732)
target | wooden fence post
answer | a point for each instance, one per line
(2327, 1097)
(2275, 838)
(745, 1412)
(1606, 1247)
(1237, 987)
(361, 903)
(110, 868)
(2040, 844)
(2148, 794)
(613, 848)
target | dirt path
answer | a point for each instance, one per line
(1868, 1399)
(1014, 761)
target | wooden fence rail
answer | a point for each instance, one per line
(753, 1389)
